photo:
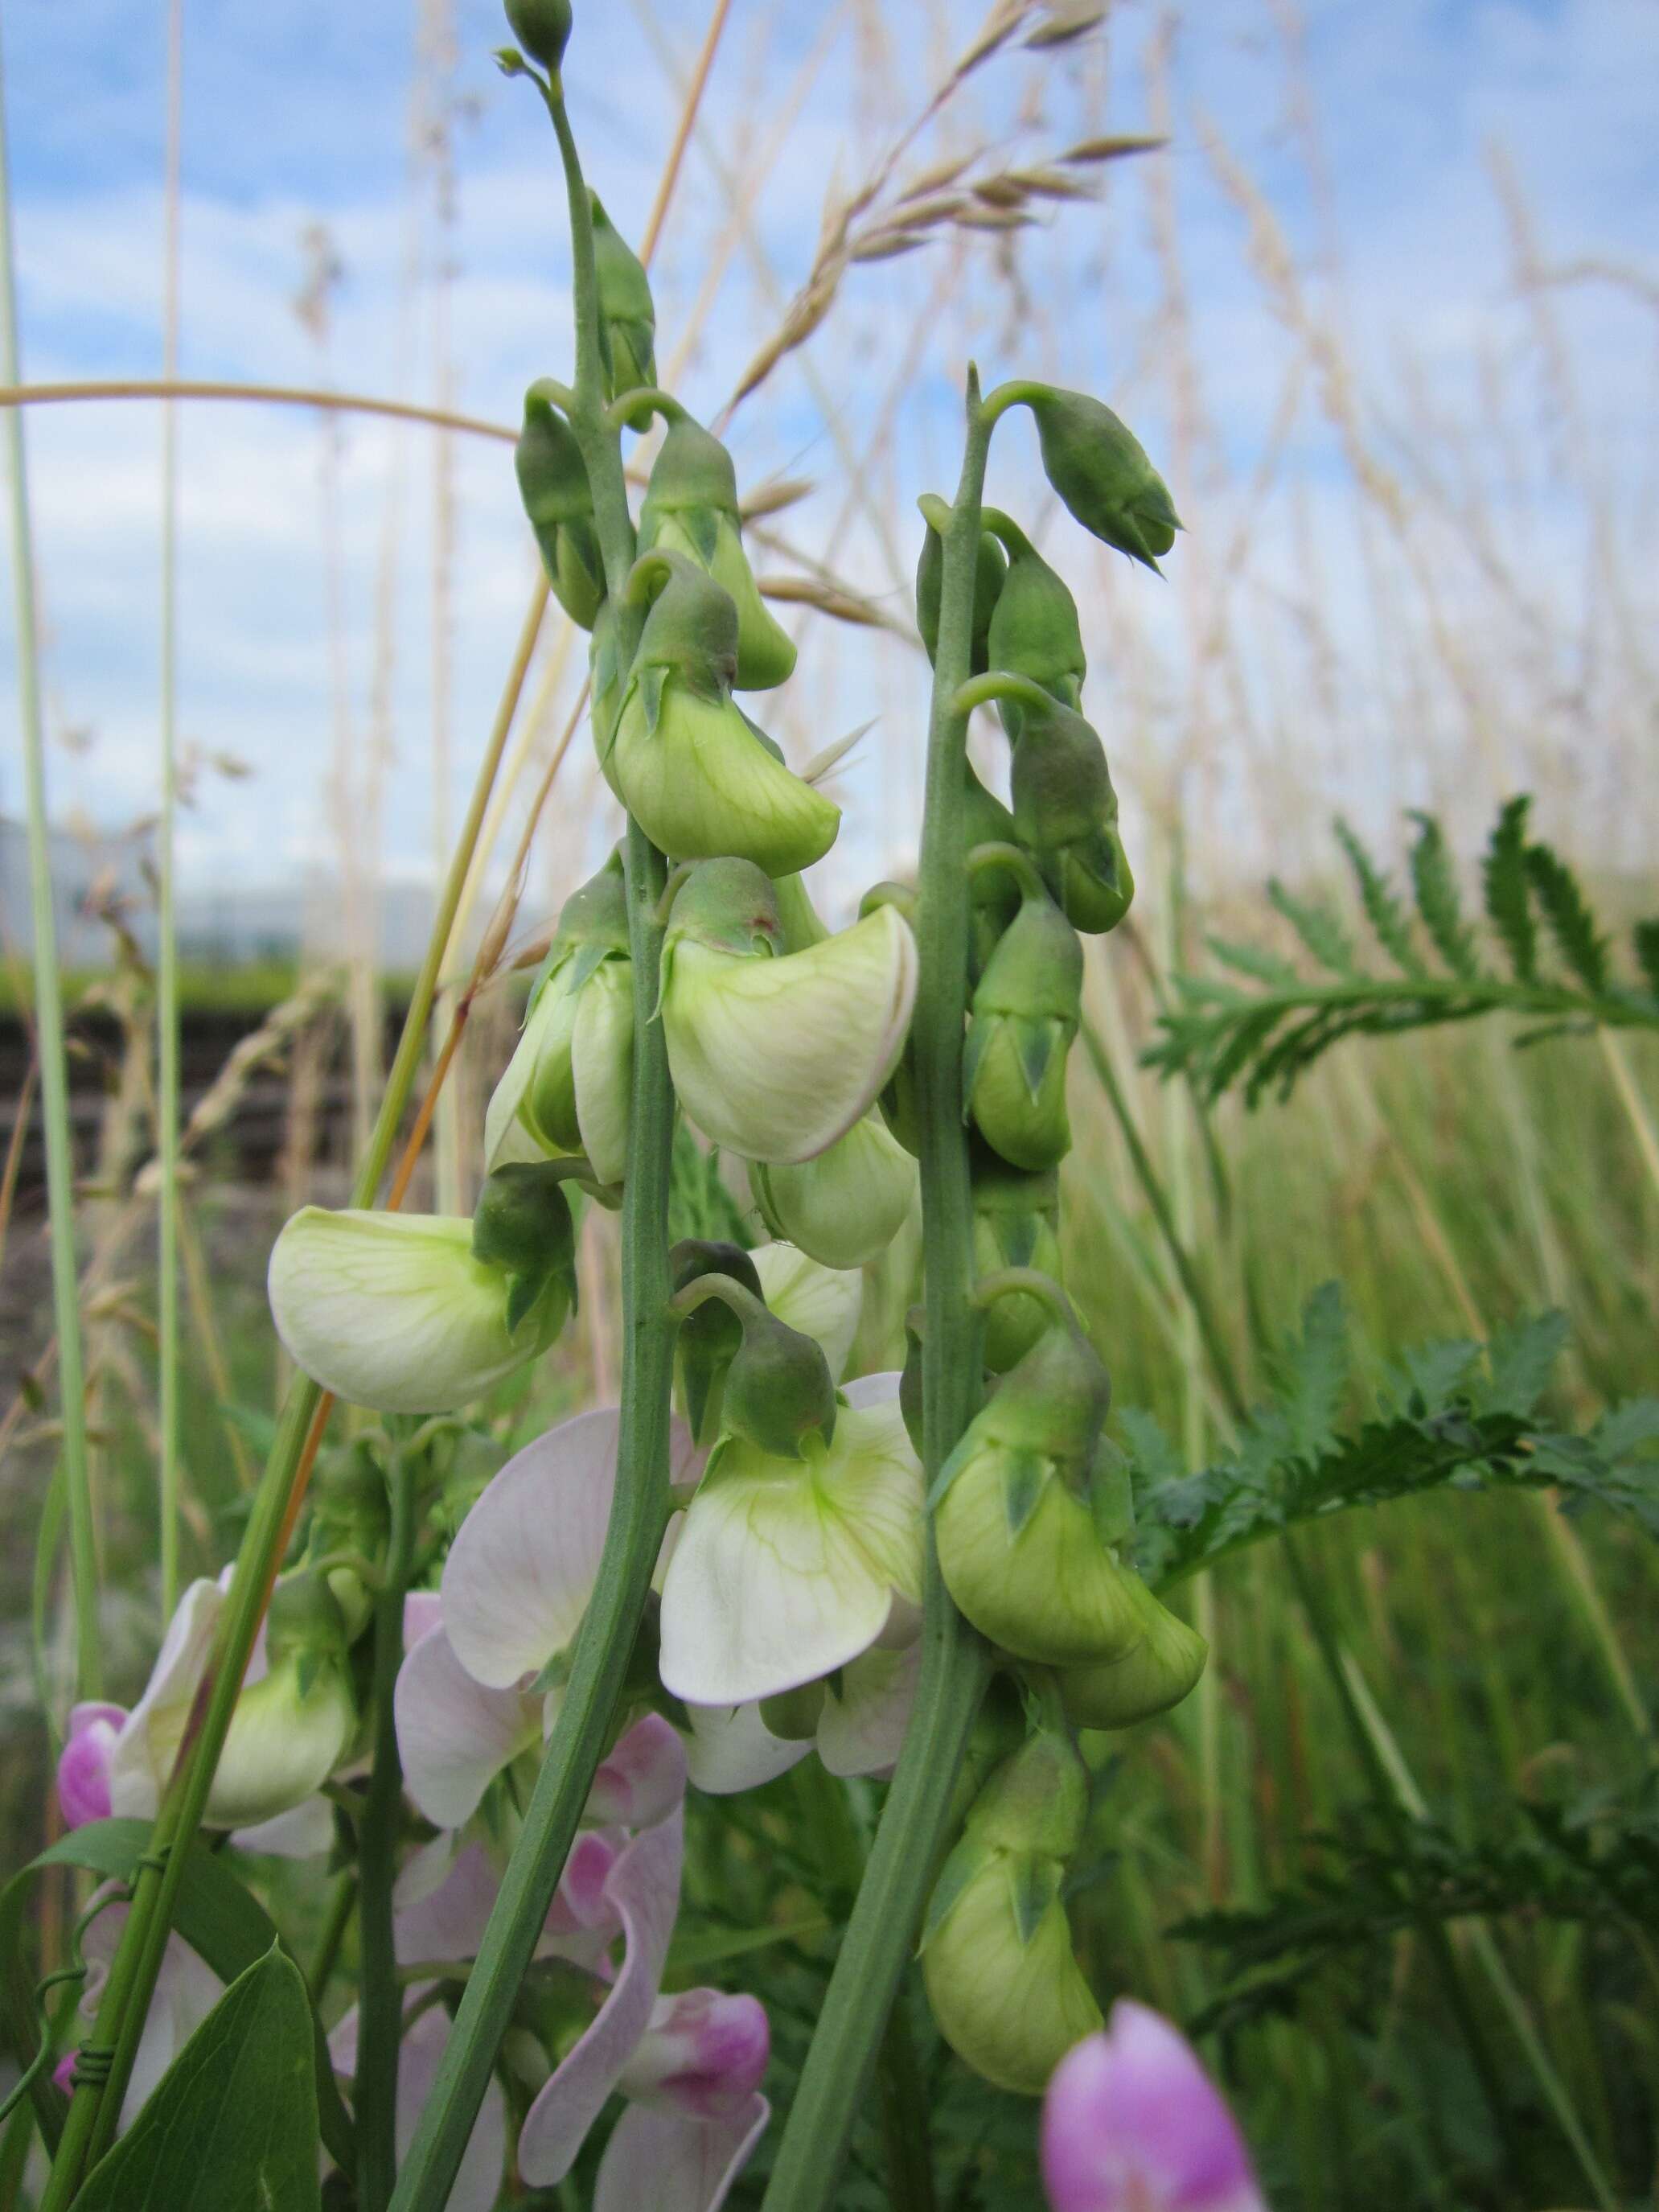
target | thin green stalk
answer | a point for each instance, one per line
(95, 2107)
(166, 972)
(955, 1662)
(48, 1002)
(380, 1997)
(904, 2116)
(640, 1511)
(341, 1906)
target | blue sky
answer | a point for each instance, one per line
(298, 112)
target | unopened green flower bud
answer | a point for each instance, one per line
(628, 318)
(1016, 1225)
(778, 1389)
(542, 28)
(998, 1965)
(793, 1716)
(993, 893)
(1026, 1007)
(1034, 628)
(1017, 1541)
(1035, 1801)
(684, 758)
(990, 567)
(690, 507)
(710, 1335)
(553, 485)
(1066, 812)
(522, 1225)
(350, 1512)
(567, 1087)
(1156, 1672)
(1097, 466)
(606, 679)
(304, 1620)
(846, 1205)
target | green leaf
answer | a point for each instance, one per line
(219, 1920)
(1522, 1357)
(1313, 1374)
(1644, 938)
(1382, 908)
(1318, 928)
(231, 2126)
(1571, 923)
(1436, 885)
(1509, 896)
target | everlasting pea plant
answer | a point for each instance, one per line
(479, 1685)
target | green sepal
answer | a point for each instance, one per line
(1111, 1494)
(1025, 1476)
(964, 1864)
(1037, 1043)
(587, 961)
(1034, 1884)
(650, 682)
(701, 525)
(981, 1032)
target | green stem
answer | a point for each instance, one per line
(904, 2116)
(955, 1661)
(94, 2108)
(48, 1001)
(639, 1513)
(379, 2004)
(334, 1928)
(166, 971)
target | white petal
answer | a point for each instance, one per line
(820, 1302)
(391, 1311)
(673, 2163)
(774, 1058)
(143, 1752)
(506, 1135)
(284, 1744)
(866, 1390)
(861, 1731)
(784, 1571)
(306, 1832)
(454, 1734)
(186, 1991)
(602, 1058)
(645, 1886)
(521, 1569)
(477, 2182)
(731, 1749)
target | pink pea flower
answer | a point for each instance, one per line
(83, 1763)
(1132, 2123)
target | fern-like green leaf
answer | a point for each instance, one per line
(1318, 929)
(1572, 924)
(1382, 908)
(1508, 894)
(1646, 939)
(1435, 884)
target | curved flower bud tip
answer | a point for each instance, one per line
(1066, 812)
(1132, 2123)
(1100, 468)
(822, 1302)
(990, 568)
(396, 1310)
(690, 507)
(628, 317)
(554, 488)
(84, 1762)
(684, 758)
(786, 1571)
(542, 28)
(1034, 626)
(997, 1964)
(777, 1057)
(846, 1205)
(1157, 1672)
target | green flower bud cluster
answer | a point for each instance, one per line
(997, 1957)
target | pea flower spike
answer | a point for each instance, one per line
(775, 1056)
(1132, 2123)
(420, 2053)
(693, 2062)
(681, 755)
(690, 507)
(565, 1091)
(294, 1721)
(422, 1313)
(787, 1569)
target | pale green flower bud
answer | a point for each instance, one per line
(1155, 1673)
(1099, 468)
(628, 318)
(1019, 1541)
(699, 777)
(566, 1089)
(709, 1335)
(553, 485)
(846, 1205)
(774, 1055)
(778, 1393)
(1026, 1007)
(542, 28)
(897, 1097)
(1016, 1225)
(990, 567)
(1037, 1800)
(690, 507)
(293, 1726)
(522, 1225)
(1066, 812)
(1034, 628)
(997, 1961)
(350, 1512)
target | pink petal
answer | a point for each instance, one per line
(445, 1919)
(704, 2055)
(454, 1735)
(83, 1763)
(423, 1611)
(521, 1569)
(478, 2182)
(1132, 2123)
(643, 1778)
(674, 2164)
(644, 1887)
